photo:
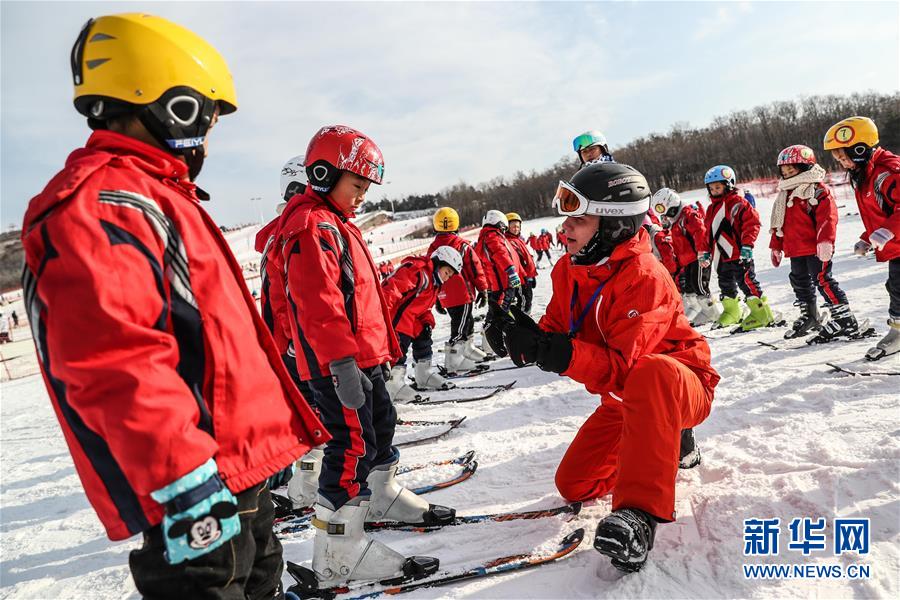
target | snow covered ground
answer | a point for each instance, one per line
(787, 438)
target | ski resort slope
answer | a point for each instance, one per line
(787, 438)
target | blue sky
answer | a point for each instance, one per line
(449, 91)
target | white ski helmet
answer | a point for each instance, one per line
(495, 218)
(666, 204)
(447, 255)
(293, 178)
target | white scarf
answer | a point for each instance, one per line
(804, 185)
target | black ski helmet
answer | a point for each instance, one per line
(609, 182)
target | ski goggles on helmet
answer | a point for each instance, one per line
(662, 211)
(588, 139)
(569, 202)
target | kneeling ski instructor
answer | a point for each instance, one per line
(616, 324)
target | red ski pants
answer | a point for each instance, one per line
(631, 447)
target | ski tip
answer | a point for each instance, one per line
(509, 386)
(573, 539)
(471, 467)
(456, 422)
(576, 507)
(295, 571)
(467, 457)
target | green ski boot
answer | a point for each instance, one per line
(760, 314)
(731, 312)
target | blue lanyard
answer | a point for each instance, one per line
(575, 325)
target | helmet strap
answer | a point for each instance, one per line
(179, 121)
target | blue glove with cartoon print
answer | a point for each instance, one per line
(201, 514)
(746, 254)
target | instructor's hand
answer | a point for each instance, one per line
(350, 383)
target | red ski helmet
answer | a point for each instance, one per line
(337, 148)
(797, 155)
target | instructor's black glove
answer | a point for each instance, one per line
(481, 299)
(439, 308)
(528, 343)
(531, 281)
(350, 383)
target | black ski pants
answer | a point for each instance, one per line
(893, 287)
(421, 345)
(694, 280)
(361, 438)
(809, 273)
(462, 322)
(738, 274)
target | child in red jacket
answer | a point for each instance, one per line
(875, 175)
(410, 293)
(615, 324)
(803, 228)
(689, 240)
(527, 270)
(499, 260)
(342, 330)
(732, 225)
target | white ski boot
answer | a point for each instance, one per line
(709, 312)
(455, 359)
(426, 379)
(303, 488)
(473, 352)
(397, 387)
(391, 501)
(486, 347)
(343, 552)
(692, 306)
(889, 344)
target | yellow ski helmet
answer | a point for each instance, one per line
(857, 134)
(513, 216)
(446, 219)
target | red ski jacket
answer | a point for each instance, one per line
(460, 289)
(526, 261)
(151, 347)
(638, 312)
(878, 198)
(273, 301)
(561, 238)
(334, 289)
(410, 293)
(534, 242)
(806, 225)
(731, 222)
(544, 241)
(497, 256)
(689, 236)
(662, 246)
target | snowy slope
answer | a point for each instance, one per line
(787, 438)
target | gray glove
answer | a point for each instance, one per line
(350, 383)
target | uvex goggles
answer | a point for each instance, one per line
(569, 202)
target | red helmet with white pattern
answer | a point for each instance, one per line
(337, 148)
(797, 155)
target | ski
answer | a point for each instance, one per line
(432, 436)
(478, 370)
(301, 519)
(566, 509)
(496, 390)
(459, 460)
(305, 587)
(415, 423)
(861, 370)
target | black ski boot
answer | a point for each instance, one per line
(808, 321)
(626, 536)
(689, 456)
(842, 324)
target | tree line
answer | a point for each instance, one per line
(747, 140)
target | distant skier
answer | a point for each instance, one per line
(803, 228)
(661, 243)
(172, 395)
(689, 240)
(410, 294)
(541, 245)
(591, 146)
(561, 239)
(461, 294)
(341, 326)
(4, 329)
(875, 175)
(615, 323)
(732, 226)
(527, 270)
